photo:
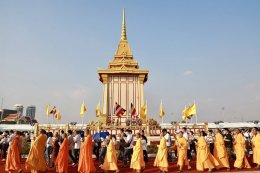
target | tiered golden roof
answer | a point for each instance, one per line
(123, 61)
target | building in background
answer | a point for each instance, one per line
(19, 108)
(5, 112)
(30, 112)
(123, 81)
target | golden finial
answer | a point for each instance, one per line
(123, 33)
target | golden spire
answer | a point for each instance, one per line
(123, 33)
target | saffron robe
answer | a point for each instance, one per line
(137, 161)
(161, 160)
(86, 163)
(182, 147)
(13, 156)
(63, 157)
(220, 151)
(256, 148)
(204, 158)
(110, 162)
(239, 148)
(36, 161)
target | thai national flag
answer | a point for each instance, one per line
(119, 111)
(133, 111)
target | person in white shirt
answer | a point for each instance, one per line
(167, 136)
(77, 141)
(11, 136)
(4, 145)
(71, 147)
(129, 147)
(49, 147)
(186, 136)
(144, 145)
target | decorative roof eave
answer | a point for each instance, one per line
(130, 64)
(123, 71)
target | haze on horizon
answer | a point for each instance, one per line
(207, 51)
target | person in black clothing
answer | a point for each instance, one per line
(192, 142)
(228, 143)
(96, 148)
(128, 149)
(210, 141)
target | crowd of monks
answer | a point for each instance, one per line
(206, 159)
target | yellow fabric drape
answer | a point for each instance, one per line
(36, 161)
(239, 148)
(220, 151)
(256, 149)
(161, 157)
(137, 161)
(204, 158)
(110, 162)
(182, 147)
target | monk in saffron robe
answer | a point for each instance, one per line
(161, 160)
(239, 148)
(182, 147)
(205, 160)
(86, 163)
(256, 147)
(36, 162)
(13, 157)
(220, 151)
(110, 162)
(137, 161)
(61, 162)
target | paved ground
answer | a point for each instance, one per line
(149, 168)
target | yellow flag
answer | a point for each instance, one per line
(189, 112)
(143, 112)
(161, 112)
(83, 109)
(184, 116)
(48, 110)
(98, 110)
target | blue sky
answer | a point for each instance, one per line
(207, 51)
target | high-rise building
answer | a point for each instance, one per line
(123, 81)
(30, 111)
(19, 109)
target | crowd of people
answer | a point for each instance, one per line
(213, 150)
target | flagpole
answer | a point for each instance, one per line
(196, 115)
(185, 116)
(146, 112)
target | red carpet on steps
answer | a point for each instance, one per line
(149, 168)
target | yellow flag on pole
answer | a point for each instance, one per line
(189, 112)
(48, 110)
(143, 112)
(161, 112)
(83, 109)
(98, 110)
(192, 110)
